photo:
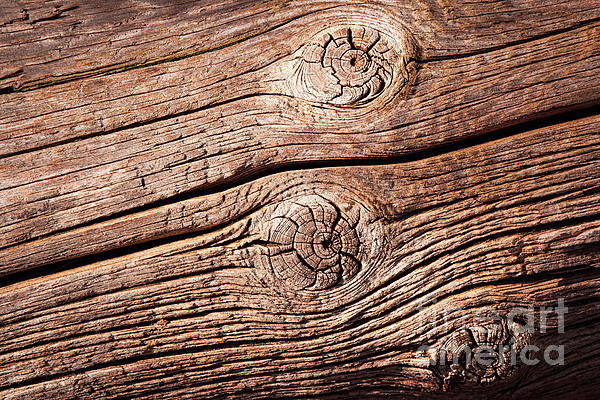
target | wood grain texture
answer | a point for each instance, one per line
(308, 199)
(219, 209)
(236, 72)
(54, 41)
(66, 185)
(512, 211)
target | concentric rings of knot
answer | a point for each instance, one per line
(313, 246)
(347, 66)
(482, 354)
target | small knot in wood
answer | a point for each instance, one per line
(312, 245)
(347, 66)
(481, 354)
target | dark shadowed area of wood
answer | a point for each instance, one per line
(323, 199)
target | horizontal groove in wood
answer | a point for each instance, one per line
(533, 155)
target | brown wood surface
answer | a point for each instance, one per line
(244, 199)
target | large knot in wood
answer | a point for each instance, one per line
(348, 66)
(313, 245)
(482, 353)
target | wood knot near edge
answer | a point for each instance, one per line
(313, 245)
(349, 66)
(481, 354)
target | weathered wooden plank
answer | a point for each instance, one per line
(513, 222)
(555, 160)
(46, 42)
(308, 199)
(82, 181)
(105, 340)
(94, 106)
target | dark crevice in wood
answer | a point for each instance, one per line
(514, 43)
(59, 13)
(103, 71)
(5, 90)
(585, 302)
(65, 265)
(356, 322)
(535, 122)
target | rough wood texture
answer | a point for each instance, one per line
(298, 199)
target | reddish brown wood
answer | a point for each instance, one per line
(298, 199)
